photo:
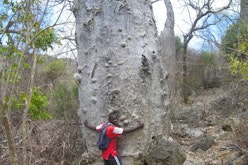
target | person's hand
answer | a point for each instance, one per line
(86, 122)
(141, 125)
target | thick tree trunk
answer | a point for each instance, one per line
(121, 70)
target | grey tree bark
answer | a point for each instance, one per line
(120, 69)
(167, 51)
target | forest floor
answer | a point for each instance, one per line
(61, 142)
(229, 132)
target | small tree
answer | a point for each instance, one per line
(24, 34)
(200, 20)
(235, 43)
(54, 70)
(236, 47)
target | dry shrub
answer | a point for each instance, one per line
(241, 131)
(49, 143)
(56, 142)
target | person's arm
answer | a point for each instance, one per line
(128, 130)
(89, 126)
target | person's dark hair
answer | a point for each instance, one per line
(112, 115)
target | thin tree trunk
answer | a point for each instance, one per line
(9, 134)
(25, 112)
(185, 80)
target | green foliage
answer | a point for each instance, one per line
(24, 22)
(45, 38)
(208, 58)
(203, 71)
(56, 80)
(24, 33)
(179, 46)
(236, 47)
(55, 69)
(39, 106)
(65, 99)
(230, 40)
(239, 67)
(210, 69)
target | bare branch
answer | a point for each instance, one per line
(204, 13)
(154, 1)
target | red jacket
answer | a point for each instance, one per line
(111, 132)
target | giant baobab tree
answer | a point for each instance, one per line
(121, 68)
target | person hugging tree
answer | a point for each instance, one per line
(113, 130)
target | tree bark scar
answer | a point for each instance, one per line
(144, 63)
(94, 69)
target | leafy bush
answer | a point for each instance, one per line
(236, 47)
(65, 101)
(55, 69)
(39, 106)
(239, 67)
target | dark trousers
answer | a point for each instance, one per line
(112, 160)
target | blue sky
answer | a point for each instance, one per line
(182, 18)
(181, 23)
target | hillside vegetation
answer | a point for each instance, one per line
(217, 109)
